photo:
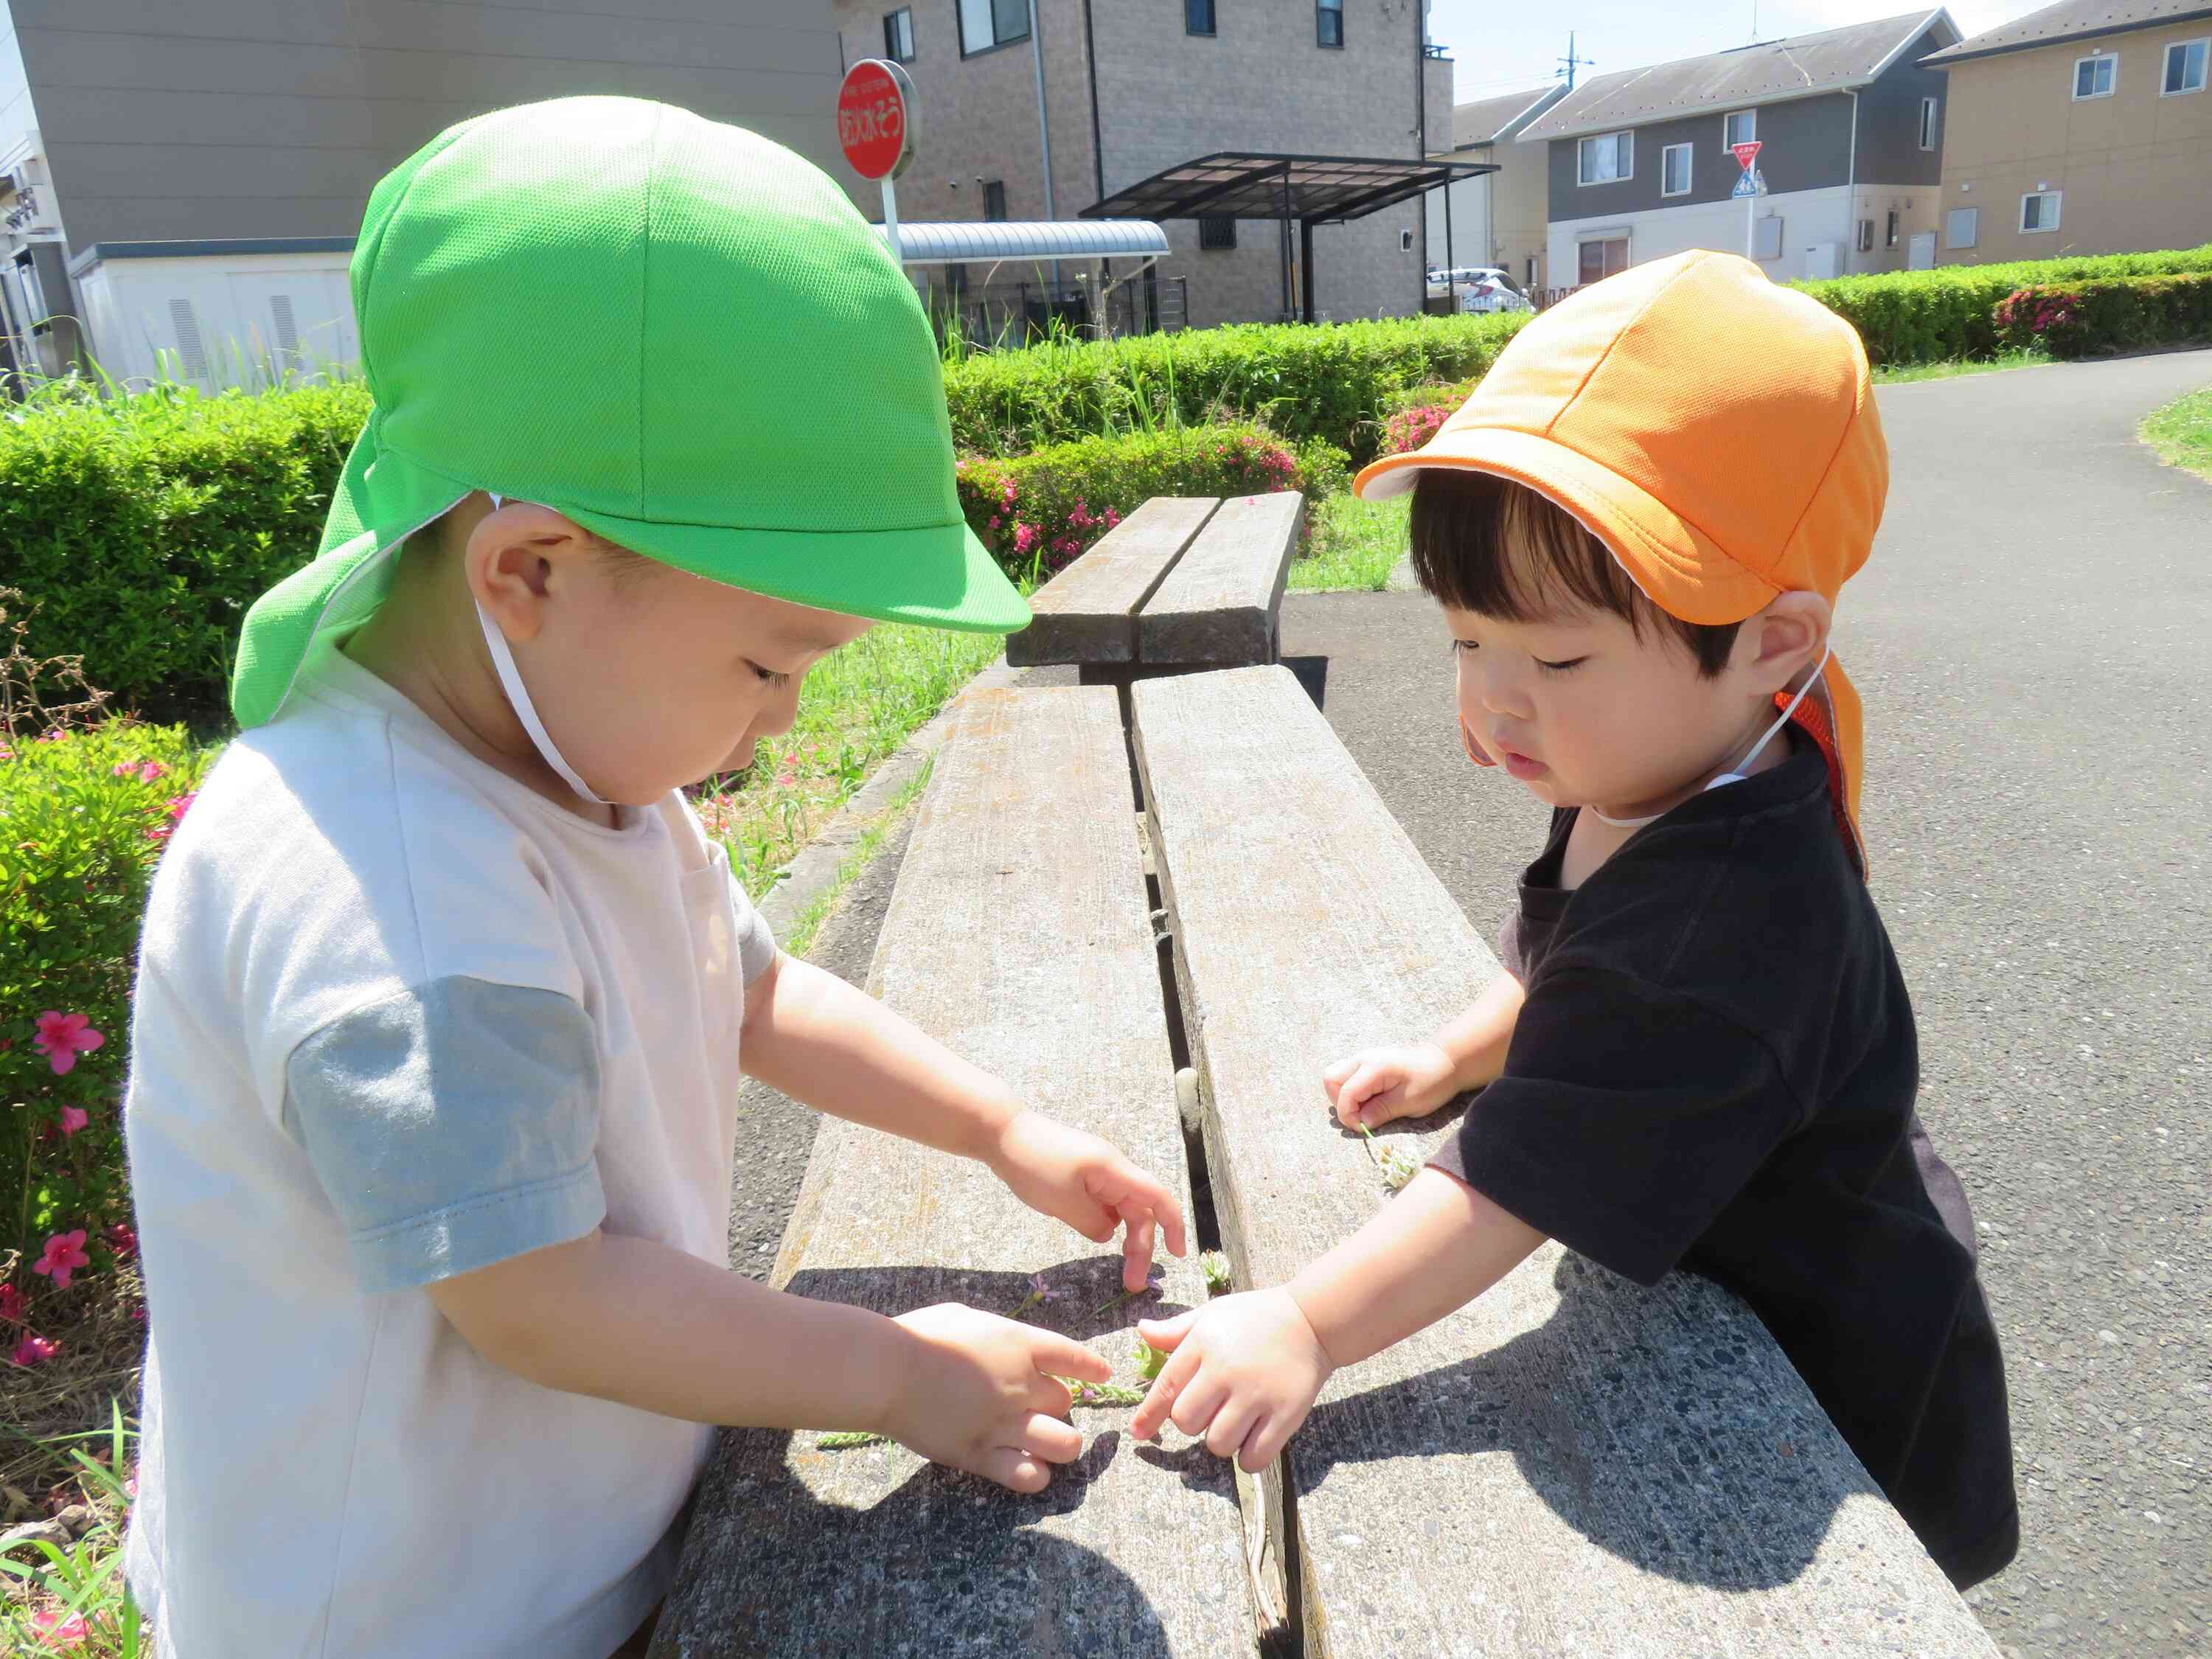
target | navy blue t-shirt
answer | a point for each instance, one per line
(1715, 1070)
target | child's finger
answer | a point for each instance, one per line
(1333, 1078)
(1056, 1355)
(1363, 1083)
(1225, 1437)
(1262, 1445)
(1151, 1195)
(1136, 1247)
(1160, 1401)
(1012, 1468)
(1051, 1439)
(1167, 1335)
(1201, 1397)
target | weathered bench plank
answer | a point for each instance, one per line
(1570, 1465)
(1087, 613)
(1018, 934)
(1221, 603)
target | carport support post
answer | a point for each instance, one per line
(1287, 313)
(1305, 268)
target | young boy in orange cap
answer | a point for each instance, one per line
(1701, 1054)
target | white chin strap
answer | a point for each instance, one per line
(510, 680)
(1734, 774)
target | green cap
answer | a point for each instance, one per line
(677, 333)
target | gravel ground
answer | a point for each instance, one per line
(2031, 640)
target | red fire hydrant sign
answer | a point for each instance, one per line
(872, 118)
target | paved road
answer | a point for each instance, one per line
(2034, 640)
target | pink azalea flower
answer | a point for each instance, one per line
(61, 1038)
(180, 804)
(34, 1349)
(144, 771)
(73, 1119)
(11, 1305)
(64, 1255)
(123, 1242)
(56, 1629)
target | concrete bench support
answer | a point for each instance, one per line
(1018, 934)
(1570, 1465)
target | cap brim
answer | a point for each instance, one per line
(1680, 569)
(934, 576)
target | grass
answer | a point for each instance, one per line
(1955, 365)
(858, 705)
(809, 922)
(1355, 545)
(2181, 432)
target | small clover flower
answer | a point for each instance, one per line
(1215, 1267)
(1398, 1165)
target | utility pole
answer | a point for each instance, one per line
(1570, 60)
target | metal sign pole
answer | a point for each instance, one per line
(1750, 229)
(890, 221)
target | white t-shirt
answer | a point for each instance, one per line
(397, 1017)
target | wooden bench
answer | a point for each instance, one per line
(1019, 934)
(1570, 1465)
(1184, 582)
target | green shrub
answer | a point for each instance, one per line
(2076, 319)
(1333, 382)
(88, 814)
(1037, 512)
(145, 525)
(1932, 316)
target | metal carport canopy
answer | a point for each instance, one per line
(1313, 189)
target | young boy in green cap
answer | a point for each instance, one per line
(444, 995)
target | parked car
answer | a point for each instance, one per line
(1491, 290)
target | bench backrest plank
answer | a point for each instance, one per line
(1018, 934)
(1087, 613)
(1220, 602)
(1570, 1464)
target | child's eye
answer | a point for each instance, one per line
(1560, 667)
(769, 675)
(1459, 646)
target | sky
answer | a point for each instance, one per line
(1501, 47)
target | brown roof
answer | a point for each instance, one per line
(2071, 20)
(1831, 61)
(1480, 121)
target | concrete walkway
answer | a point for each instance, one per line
(2033, 641)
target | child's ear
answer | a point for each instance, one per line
(1787, 638)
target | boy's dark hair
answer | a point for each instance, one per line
(1487, 545)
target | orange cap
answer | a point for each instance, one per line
(1717, 433)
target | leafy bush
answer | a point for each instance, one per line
(145, 525)
(87, 810)
(1930, 316)
(1037, 512)
(2078, 318)
(1332, 382)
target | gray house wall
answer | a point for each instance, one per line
(1889, 119)
(183, 119)
(1806, 146)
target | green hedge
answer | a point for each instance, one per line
(2077, 319)
(1332, 382)
(1037, 512)
(88, 814)
(144, 527)
(1932, 316)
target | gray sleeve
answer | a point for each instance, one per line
(452, 1126)
(756, 945)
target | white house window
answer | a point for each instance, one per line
(1600, 256)
(1866, 235)
(1741, 128)
(2094, 77)
(1198, 16)
(1608, 158)
(1675, 170)
(1962, 227)
(2039, 209)
(1890, 232)
(2185, 67)
(1328, 22)
(1928, 124)
(987, 23)
(898, 35)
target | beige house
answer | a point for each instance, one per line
(1499, 218)
(2083, 128)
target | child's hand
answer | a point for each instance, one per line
(1241, 1373)
(1377, 1084)
(980, 1395)
(1079, 1179)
